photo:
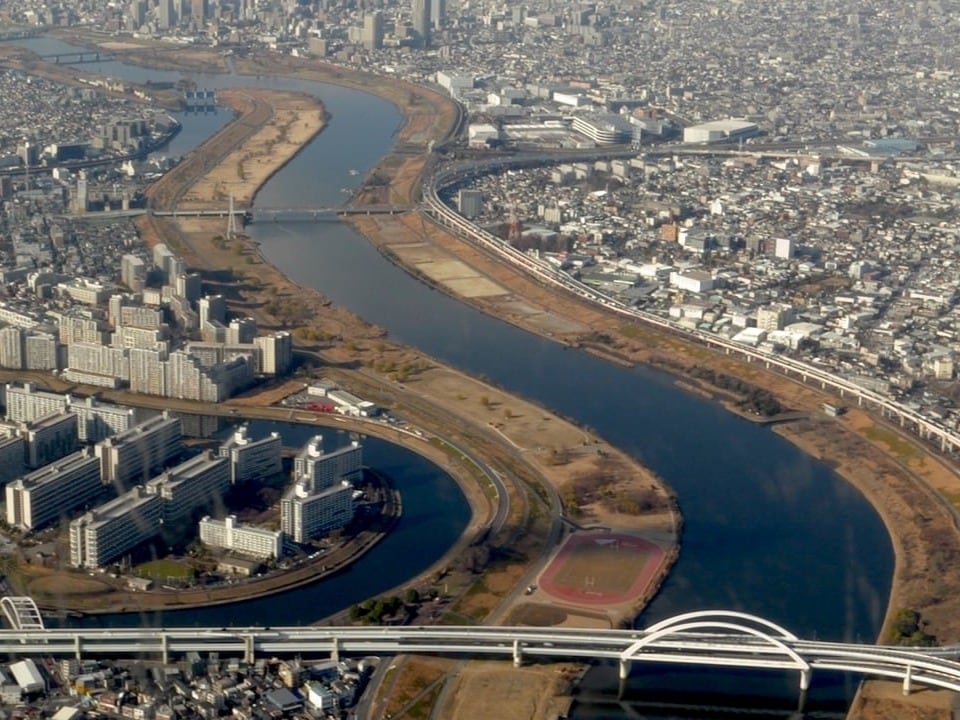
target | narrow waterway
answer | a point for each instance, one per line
(767, 530)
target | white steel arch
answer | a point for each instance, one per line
(781, 632)
(651, 648)
(22, 613)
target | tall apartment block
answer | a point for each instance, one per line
(276, 352)
(54, 491)
(325, 469)
(421, 22)
(26, 403)
(112, 529)
(200, 482)
(305, 515)
(11, 458)
(97, 421)
(252, 459)
(50, 438)
(133, 456)
(133, 272)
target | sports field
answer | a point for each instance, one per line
(601, 569)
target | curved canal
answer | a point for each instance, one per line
(767, 529)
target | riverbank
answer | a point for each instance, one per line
(547, 320)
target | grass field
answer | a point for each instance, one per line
(601, 567)
(164, 569)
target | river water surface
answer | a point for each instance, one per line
(767, 530)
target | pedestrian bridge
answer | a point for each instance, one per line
(707, 638)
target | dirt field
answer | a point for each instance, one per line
(505, 692)
(601, 569)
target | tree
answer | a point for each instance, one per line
(411, 596)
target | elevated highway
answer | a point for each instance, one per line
(705, 638)
(946, 438)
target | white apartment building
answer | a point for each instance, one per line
(42, 352)
(140, 316)
(229, 535)
(97, 421)
(200, 482)
(325, 469)
(775, 316)
(252, 459)
(133, 272)
(45, 495)
(305, 515)
(103, 360)
(12, 347)
(86, 326)
(25, 403)
(114, 528)
(132, 456)
(276, 352)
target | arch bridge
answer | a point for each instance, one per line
(22, 613)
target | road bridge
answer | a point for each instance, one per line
(706, 638)
(78, 58)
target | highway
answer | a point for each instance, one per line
(706, 638)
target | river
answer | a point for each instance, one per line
(767, 529)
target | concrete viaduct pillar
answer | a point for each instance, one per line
(517, 654)
(249, 650)
(908, 680)
(335, 649)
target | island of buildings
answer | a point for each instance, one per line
(120, 483)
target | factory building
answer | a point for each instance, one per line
(45, 495)
(114, 528)
(230, 535)
(133, 456)
(720, 131)
(252, 459)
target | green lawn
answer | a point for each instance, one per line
(163, 569)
